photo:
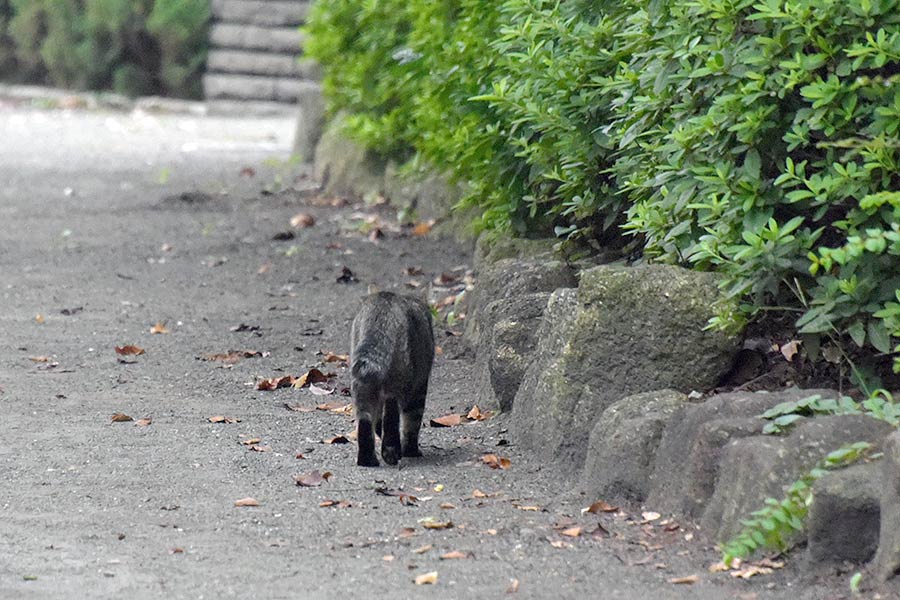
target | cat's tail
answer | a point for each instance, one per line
(371, 359)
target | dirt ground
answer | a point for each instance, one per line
(113, 222)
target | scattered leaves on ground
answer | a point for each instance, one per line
(121, 418)
(496, 462)
(246, 502)
(129, 350)
(312, 479)
(310, 377)
(405, 498)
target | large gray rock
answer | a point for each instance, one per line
(687, 462)
(508, 278)
(310, 122)
(343, 166)
(624, 442)
(887, 560)
(509, 336)
(845, 515)
(629, 330)
(760, 467)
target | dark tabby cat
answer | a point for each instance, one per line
(391, 351)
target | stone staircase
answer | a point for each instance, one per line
(254, 49)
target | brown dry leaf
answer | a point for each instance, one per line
(689, 579)
(129, 350)
(527, 508)
(719, 567)
(496, 462)
(258, 448)
(39, 359)
(407, 532)
(337, 503)
(479, 494)
(298, 408)
(340, 407)
(513, 587)
(768, 562)
(312, 479)
(427, 578)
(598, 507)
(39, 319)
(446, 421)
(302, 220)
(560, 544)
(456, 554)
(438, 351)
(177, 550)
(751, 570)
(437, 524)
(223, 419)
(331, 357)
(267, 385)
(446, 506)
(572, 532)
(423, 228)
(143, 422)
(414, 271)
(232, 356)
(423, 549)
(251, 441)
(318, 390)
(789, 350)
(310, 377)
(600, 533)
(477, 415)
(121, 418)
(160, 327)
(407, 499)
(246, 502)
(338, 439)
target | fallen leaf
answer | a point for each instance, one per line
(446, 421)
(490, 531)
(310, 377)
(246, 502)
(160, 327)
(299, 408)
(337, 503)
(423, 549)
(407, 532)
(39, 359)
(177, 550)
(258, 448)
(600, 532)
(143, 422)
(479, 494)
(312, 479)
(251, 441)
(331, 357)
(572, 532)
(121, 418)
(427, 578)
(232, 356)
(496, 462)
(719, 567)
(447, 506)
(223, 419)
(302, 220)
(456, 554)
(437, 524)
(338, 439)
(598, 507)
(650, 516)
(690, 579)
(317, 390)
(560, 544)
(528, 508)
(267, 385)
(129, 350)
(446, 279)
(263, 269)
(405, 498)
(477, 415)
(790, 349)
(423, 228)
(388, 558)
(414, 271)
(39, 319)
(513, 587)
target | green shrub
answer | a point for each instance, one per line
(752, 137)
(133, 47)
(7, 47)
(759, 139)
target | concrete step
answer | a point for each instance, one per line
(261, 63)
(218, 86)
(261, 12)
(253, 37)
